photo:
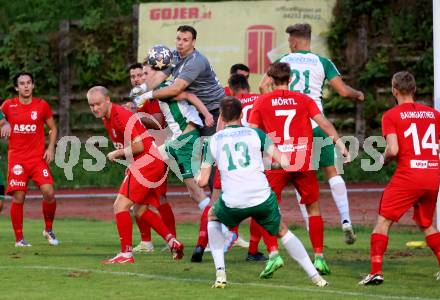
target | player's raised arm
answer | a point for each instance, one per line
(49, 154)
(345, 90)
(198, 104)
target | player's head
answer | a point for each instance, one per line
(147, 72)
(24, 84)
(99, 101)
(240, 69)
(135, 71)
(238, 84)
(403, 84)
(279, 73)
(299, 36)
(185, 40)
(230, 110)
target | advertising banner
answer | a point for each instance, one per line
(249, 32)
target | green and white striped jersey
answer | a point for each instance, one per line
(2, 116)
(238, 153)
(309, 72)
(178, 114)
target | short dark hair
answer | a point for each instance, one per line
(22, 73)
(279, 72)
(238, 82)
(230, 109)
(404, 82)
(236, 67)
(187, 28)
(135, 66)
(300, 31)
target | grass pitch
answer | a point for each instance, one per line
(73, 270)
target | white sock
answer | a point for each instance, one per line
(339, 193)
(216, 241)
(273, 253)
(204, 203)
(127, 254)
(303, 210)
(225, 229)
(297, 251)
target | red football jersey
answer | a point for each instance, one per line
(418, 130)
(27, 140)
(120, 119)
(285, 117)
(227, 91)
(247, 102)
(150, 107)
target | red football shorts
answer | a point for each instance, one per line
(20, 172)
(217, 180)
(396, 201)
(306, 183)
(142, 187)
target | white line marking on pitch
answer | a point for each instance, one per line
(173, 194)
(260, 285)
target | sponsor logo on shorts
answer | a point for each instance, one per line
(423, 164)
(34, 115)
(25, 128)
(14, 182)
(17, 170)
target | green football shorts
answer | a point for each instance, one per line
(327, 156)
(267, 214)
(186, 151)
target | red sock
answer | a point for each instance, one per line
(17, 220)
(125, 228)
(433, 241)
(48, 213)
(235, 230)
(270, 241)
(144, 229)
(378, 246)
(168, 217)
(316, 233)
(203, 228)
(157, 224)
(255, 232)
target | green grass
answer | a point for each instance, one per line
(73, 270)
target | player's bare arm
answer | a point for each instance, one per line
(282, 160)
(49, 154)
(330, 130)
(203, 177)
(178, 86)
(198, 104)
(5, 130)
(345, 90)
(265, 84)
(136, 147)
(392, 148)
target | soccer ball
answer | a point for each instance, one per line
(159, 57)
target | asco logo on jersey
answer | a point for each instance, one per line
(179, 13)
(25, 128)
